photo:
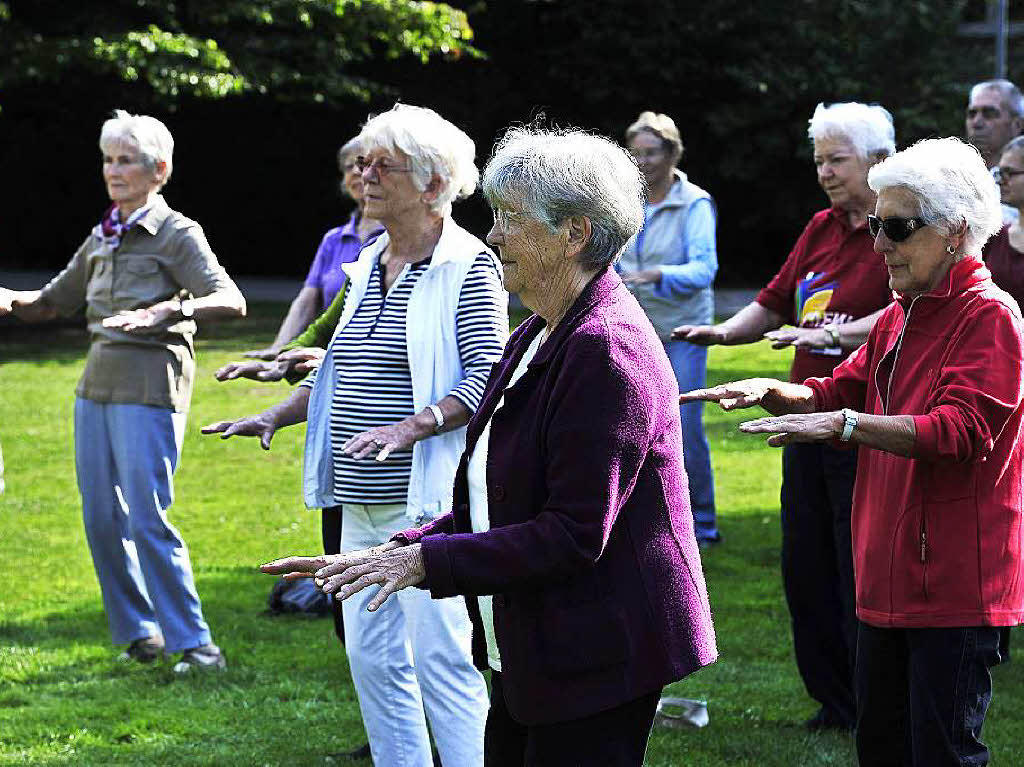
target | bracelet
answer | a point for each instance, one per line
(438, 418)
(833, 333)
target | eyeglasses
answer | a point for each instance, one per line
(1001, 174)
(382, 165)
(502, 218)
(896, 229)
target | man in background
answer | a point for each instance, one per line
(995, 116)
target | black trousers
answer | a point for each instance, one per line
(613, 738)
(330, 532)
(922, 695)
(817, 571)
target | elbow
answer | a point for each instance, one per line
(239, 307)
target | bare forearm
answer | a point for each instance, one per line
(749, 324)
(456, 414)
(220, 304)
(785, 398)
(30, 306)
(292, 410)
(301, 313)
(892, 433)
(853, 335)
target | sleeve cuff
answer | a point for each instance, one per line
(438, 565)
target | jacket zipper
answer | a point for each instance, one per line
(923, 529)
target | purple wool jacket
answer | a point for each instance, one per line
(599, 595)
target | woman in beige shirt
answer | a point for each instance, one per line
(144, 274)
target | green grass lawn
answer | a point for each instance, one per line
(287, 697)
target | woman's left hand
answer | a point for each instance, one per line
(393, 569)
(798, 427)
(383, 441)
(142, 319)
(642, 277)
(806, 338)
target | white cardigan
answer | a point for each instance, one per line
(433, 362)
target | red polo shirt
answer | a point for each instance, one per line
(831, 275)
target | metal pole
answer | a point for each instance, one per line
(1001, 30)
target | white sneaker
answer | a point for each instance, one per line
(203, 658)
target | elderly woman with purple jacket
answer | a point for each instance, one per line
(570, 534)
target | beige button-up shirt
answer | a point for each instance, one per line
(163, 255)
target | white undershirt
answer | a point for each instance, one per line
(476, 475)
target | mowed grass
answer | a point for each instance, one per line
(287, 698)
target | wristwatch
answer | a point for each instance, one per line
(438, 418)
(186, 309)
(833, 333)
(849, 424)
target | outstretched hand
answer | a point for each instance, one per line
(302, 360)
(141, 319)
(805, 338)
(262, 354)
(260, 425)
(733, 396)
(391, 565)
(702, 335)
(257, 370)
(6, 301)
(797, 427)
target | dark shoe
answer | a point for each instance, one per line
(363, 752)
(203, 658)
(144, 650)
(827, 719)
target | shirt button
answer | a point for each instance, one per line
(499, 493)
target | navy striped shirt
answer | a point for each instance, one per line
(374, 386)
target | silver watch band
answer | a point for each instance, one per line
(849, 424)
(438, 418)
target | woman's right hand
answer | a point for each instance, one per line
(303, 360)
(262, 354)
(735, 395)
(257, 370)
(702, 335)
(262, 425)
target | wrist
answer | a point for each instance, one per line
(424, 424)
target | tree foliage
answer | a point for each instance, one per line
(292, 50)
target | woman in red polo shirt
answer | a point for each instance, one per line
(831, 289)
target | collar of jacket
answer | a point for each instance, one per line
(600, 289)
(965, 274)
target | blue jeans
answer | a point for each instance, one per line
(689, 363)
(125, 457)
(410, 658)
(922, 695)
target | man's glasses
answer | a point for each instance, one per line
(1001, 174)
(895, 228)
(382, 165)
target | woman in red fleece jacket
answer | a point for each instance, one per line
(935, 394)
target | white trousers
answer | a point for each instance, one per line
(409, 658)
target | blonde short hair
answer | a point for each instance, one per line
(662, 126)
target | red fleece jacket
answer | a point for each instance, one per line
(937, 536)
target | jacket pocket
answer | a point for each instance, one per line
(585, 638)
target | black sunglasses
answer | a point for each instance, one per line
(895, 228)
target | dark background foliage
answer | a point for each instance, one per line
(257, 119)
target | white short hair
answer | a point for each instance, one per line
(951, 184)
(551, 175)
(434, 146)
(147, 134)
(868, 128)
